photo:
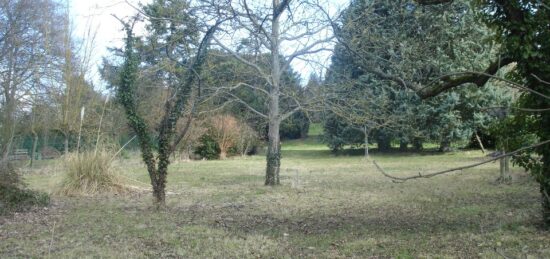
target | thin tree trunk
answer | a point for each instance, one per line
(186, 153)
(504, 169)
(507, 166)
(366, 132)
(34, 146)
(66, 143)
(245, 149)
(9, 129)
(480, 143)
(545, 188)
(8, 145)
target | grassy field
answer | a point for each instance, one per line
(327, 207)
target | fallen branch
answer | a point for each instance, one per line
(403, 179)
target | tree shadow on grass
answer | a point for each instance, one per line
(365, 219)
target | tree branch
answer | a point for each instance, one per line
(278, 10)
(404, 179)
(247, 105)
(243, 60)
(450, 81)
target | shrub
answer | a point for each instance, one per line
(225, 130)
(226, 135)
(208, 148)
(247, 141)
(90, 173)
(13, 194)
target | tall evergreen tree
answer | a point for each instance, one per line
(401, 43)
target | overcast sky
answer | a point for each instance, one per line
(98, 15)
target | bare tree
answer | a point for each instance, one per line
(285, 31)
(74, 68)
(26, 26)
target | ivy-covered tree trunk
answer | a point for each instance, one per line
(164, 152)
(183, 95)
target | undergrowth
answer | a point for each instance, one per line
(14, 196)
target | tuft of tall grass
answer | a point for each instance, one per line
(90, 173)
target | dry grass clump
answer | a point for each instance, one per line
(90, 173)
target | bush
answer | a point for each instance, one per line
(208, 148)
(226, 135)
(247, 141)
(90, 173)
(13, 194)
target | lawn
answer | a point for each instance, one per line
(327, 207)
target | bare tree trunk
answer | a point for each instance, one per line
(502, 172)
(245, 149)
(8, 129)
(366, 132)
(480, 143)
(505, 176)
(186, 153)
(34, 146)
(274, 144)
(545, 188)
(7, 148)
(507, 166)
(66, 144)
